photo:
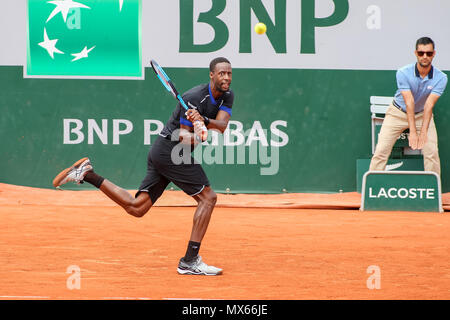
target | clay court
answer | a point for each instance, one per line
(277, 247)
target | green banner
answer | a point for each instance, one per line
(95, 38)
(286, 134)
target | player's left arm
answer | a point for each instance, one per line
(220, 123)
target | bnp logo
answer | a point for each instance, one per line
(276, 28)
(84, 39)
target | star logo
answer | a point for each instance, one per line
(83, 54)
(50, 45)
(64, 7)
(65, 40)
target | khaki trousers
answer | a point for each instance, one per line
(394, 123)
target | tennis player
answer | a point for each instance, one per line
(212, 104)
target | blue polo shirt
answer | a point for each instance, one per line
(408, 78)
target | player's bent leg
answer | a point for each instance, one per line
(82, 171)
(136, 207)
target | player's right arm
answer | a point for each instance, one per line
(187, 134)
(189, 129)
(220, 123)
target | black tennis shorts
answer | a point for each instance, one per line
(161, 170)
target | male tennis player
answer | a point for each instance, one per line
(212, 103)
(420, 85)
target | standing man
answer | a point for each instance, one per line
(212, 103)
(419, 87)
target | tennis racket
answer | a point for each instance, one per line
(168, 84)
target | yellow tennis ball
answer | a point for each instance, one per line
(260, 28)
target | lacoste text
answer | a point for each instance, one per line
(403, 193)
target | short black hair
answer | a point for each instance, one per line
(214, 62)
(424, 41)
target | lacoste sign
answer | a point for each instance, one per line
(84, 39)
(401, 191)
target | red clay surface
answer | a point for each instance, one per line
(277, 247)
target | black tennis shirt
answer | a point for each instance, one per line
(201, 99)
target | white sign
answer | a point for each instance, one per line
(301, 34)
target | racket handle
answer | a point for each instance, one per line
(203, 131)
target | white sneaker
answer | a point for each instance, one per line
(198, 267)
(75, 173)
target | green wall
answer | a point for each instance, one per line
(327, 114)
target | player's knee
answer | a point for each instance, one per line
(134, 212)
(139, 206)
(214, 197)
(208, 197)
(211, 198)
(137, 212)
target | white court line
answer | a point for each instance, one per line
(190, 299)
(25, 297)
(125, 298)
